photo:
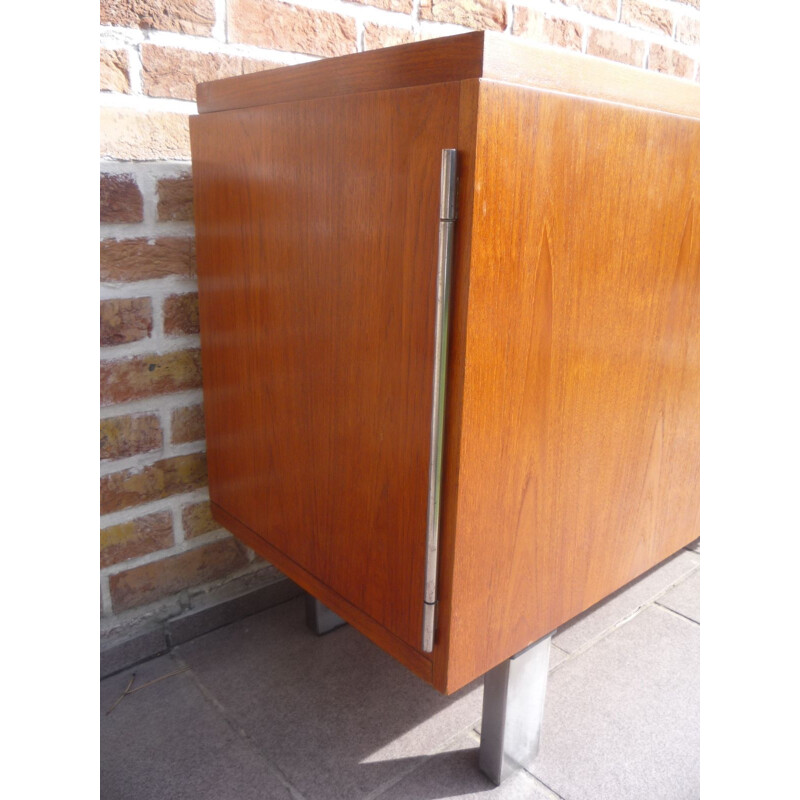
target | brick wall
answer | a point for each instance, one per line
(159, 548)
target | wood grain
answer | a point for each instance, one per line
(436, 61)
(468, 55)
(577, 463)
(316, 247)
(410, 657)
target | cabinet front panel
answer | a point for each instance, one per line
(316, 243)
(578, 427)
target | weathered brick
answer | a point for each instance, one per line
(145, 376)
(548, 30)
(172, 72)
(401, 6)
(280, 26)
(615, 47)
(638, 14)
(479, 14)
(151, 582)
(376, 36)
(137, 136)
(687, 30)
(600, 8)
(120, 199)
(114, 71)
(124, 260)
(197, 520)
(132, 487)
(181, 16)
(188, 424)
(669, 61)
(125, 320)
(136, 538)
(175, 199)
(181, 315)
(129, 435)
(257, 65)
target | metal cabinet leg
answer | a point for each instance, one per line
(320, 618)
(513, 704)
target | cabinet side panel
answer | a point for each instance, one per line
(579, 441)
(317, 231)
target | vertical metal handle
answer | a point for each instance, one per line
(447, 219)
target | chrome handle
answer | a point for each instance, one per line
(447, 219)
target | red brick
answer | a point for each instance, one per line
(376, 36)
(547, 30)
(280, 26)
(120, 199)
(124, 260)
(171, 72)
(164, 478)
(150, 375)
(181, 16)
(175, 199)
(129, 435)
(401, 6)
(669, 61)
(114, 71)
(125, 320)
(600, 8)
(688, 30)
(181, 315)
(197, 520)
(150, 582)
(257, 65)
(130, 135)
(479, 14)
(188, 424)
(642, 15)
(615, 47)
(136, 538)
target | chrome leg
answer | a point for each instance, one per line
(320, 618)
(513, 704)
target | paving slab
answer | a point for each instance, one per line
(685, 597)
(167, 741)
(453, 773)
(336, 715)
(557, 656)
(622, 718)
(602, 617)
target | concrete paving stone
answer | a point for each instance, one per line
(622, 719)
(139, 647)
(557, 655)
(217, 611)
(616, 607)
(685, 597)
(453, 773)
(337, 716)
(167, 741)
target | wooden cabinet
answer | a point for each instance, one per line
(570, 448)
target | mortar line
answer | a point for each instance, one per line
(234, 725)
(384, 787)
(624, 621)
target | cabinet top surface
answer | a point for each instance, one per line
(455, 58)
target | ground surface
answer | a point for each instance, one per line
(265, 709)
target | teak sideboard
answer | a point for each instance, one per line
(449, 305)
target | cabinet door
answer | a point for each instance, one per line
(316, 247)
